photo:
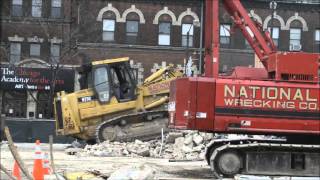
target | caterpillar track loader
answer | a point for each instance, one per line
(111, 106)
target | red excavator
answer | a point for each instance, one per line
(281, 99)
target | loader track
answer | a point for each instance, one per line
(144, 125)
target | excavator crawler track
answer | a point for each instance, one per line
(144, 125)
(268, 157)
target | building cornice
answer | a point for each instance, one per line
(31, 20)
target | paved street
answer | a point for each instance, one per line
(107, 165)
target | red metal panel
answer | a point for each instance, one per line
(266, 125)
(215, 38)
(205, 104)
(267, 106)
(180, 101)
(294, 63)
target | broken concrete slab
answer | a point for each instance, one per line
(141, 172)
(197, 139)
(172, 136)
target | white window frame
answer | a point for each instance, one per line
(55, 57)
(36, 10)
(185, 28)
(16, 4)
(56, 7)
(132, 34)
(275, 34)
(108, 28)
(15, 57)
(292, 39)
(317, 36)
(164, 39)
(37, 49)
(225, 33)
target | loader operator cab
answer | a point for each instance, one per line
(109, 78)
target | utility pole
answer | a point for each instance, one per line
(273, 7)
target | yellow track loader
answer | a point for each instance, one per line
(111, 106)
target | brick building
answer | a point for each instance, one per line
(154, 31)
(39, 34)
(35, 38)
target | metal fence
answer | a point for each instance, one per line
(29, 130)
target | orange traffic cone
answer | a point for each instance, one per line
(46, 165)
(16, 171)
(37, 165)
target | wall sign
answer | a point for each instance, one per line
(39, 79)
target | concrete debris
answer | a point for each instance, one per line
(72, 151)
(141, 172)
(197, 139)
(179, 145)
(171, 137)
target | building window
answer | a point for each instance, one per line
(15, 52)
(275, 35)
(14, 104)
(164, 33)
(295, 38)
(248, 46)
(132, 31)
(43, 105)
(225, 34)
(317, 40)
(55, 8)
(16, 8)
(36, 8)
(55, 53)
(187, 35)
(35, 50)
(108, 29)
(317, 36)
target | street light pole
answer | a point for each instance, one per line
(187, 49)
(273, 7)
(194, 23)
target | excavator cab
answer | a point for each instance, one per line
(109, 78)
(115, 79)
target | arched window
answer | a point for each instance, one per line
(132, 27)
(108, 26)
(187, 31)
(295, 36)
(164, 36)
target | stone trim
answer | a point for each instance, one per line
(188, 12)
(165, 10)
(298, 18)
(16, 38)
(135, 10)
(109, 8)
(276, 16)
(255, 16)
(35, 39)
(32, 60)
(55, 40)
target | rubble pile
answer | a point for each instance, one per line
(184, 145)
